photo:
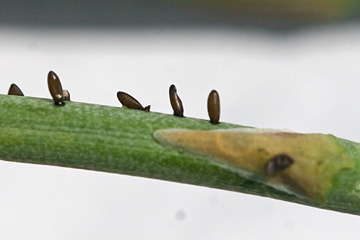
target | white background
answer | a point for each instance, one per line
(306, 81)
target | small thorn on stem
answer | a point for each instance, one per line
(15, 90)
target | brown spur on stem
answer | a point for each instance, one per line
(15, 90)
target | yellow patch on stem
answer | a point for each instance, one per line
(317, 157)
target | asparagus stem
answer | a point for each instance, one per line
(116, 140)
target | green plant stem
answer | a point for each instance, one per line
(115, 140)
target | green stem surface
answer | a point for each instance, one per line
(115, 140)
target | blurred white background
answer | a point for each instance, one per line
(306, 81)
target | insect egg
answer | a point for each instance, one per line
(278, 163)
(213, 105)
(15, 90)
(66, 95)
(55, 89)
(176, 102)
(130, 102)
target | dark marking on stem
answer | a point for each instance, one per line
(15, 90)
(213, 105)
(176, 102)
(66, 95)
(278, 163)
(130, 102)
(55, 89)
